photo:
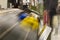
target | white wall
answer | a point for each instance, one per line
(3, 3)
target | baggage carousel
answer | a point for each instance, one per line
(10, 29)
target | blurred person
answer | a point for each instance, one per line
(50, 5)
(15, 3)
(25, 6)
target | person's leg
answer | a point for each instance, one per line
(49, 37)
(51, 14)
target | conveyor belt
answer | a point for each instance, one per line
(7, 20)
(10, 29)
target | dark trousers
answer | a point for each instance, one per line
(51, 14)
